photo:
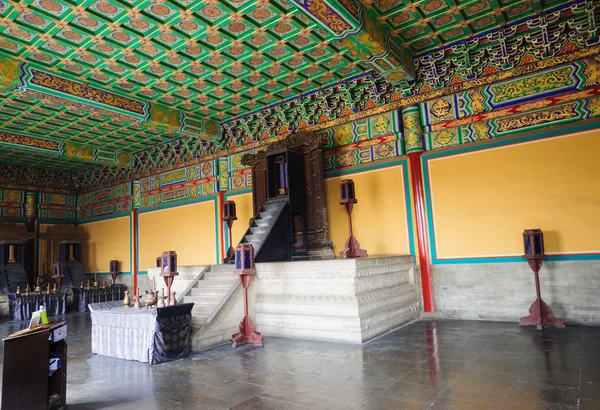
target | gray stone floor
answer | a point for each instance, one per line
(435, 365)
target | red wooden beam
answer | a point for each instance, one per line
(134, 256)
(418, 194)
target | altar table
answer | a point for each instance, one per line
(83, 297)
(149, 335)
(22, 306)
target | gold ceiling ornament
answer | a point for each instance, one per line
(21, 7)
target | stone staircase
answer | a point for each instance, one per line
(187, 279)
(210, 293)
(261, 226)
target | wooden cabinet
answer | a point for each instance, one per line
(26, 381)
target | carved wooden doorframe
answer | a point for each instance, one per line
(309, 145)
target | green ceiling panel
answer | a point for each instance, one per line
(184, 62)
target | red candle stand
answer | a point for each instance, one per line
(168, 270)
(244, 266)
(540, 313)
(229, 215)
(348, 199)
(114, 270)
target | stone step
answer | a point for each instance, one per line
(203, 300)
(202, 310)
(216, 284)
(219, 268)
(181, 277)
(263, 222)
(210, 276)
(207, 291)
(199, 320)
(260, 230)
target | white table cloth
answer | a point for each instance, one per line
(123, 332)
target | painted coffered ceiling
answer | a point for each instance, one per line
(88, 82)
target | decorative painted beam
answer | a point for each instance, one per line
(65, 149)
(23, 77)
(356, 28)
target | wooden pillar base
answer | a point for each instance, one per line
(352, 249)
(247, 334)
(547, 318)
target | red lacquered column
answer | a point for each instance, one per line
(418, 194)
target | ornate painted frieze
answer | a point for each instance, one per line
(57, 206)
(179, 185)
(105, 202)
(495, 98)
(555, 112)
(565, 34)
(35, 179)
(376, 149)
(12, 203)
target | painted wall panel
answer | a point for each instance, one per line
(188, 229)
(43, 252)
(483, 200)
(107, 240)
(379, 218)
(243, 206)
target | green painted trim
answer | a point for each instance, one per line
(499, 142)
(174, 205)
(137, 241)
(57, 222)
(104, 218)
(366, 167)
(235, 192)
(512, 259)
(107, 273)
(562, 131)
(217, 248)
(36, 268)
(13, 220)
(142, 272)
(131, 234)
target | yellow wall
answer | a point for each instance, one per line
(189, 230)
(107, 240)
(483, 201)
(244, 211)
(379, 218)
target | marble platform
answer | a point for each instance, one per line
(344, 300)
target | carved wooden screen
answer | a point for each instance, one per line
(309, 145)
(259, 185)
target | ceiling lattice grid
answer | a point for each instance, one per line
(212, 58)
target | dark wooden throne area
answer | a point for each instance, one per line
(308, 146)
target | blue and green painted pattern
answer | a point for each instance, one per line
(105, 202)
(531, 120)
(54, 206)
(180, 185)
(12, 203)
